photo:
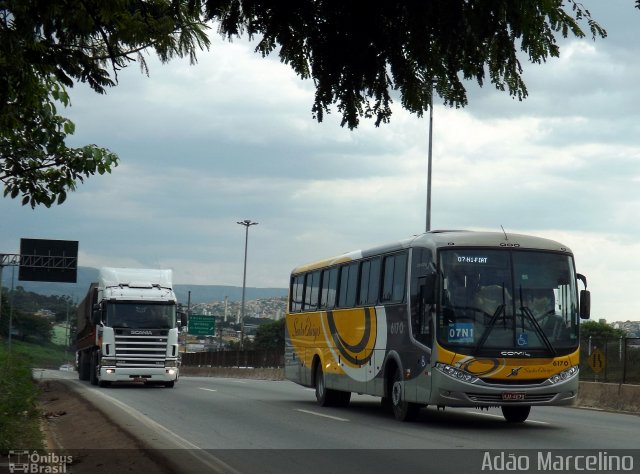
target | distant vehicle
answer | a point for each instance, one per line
(127, 329)
(67, 367)
(446, 318)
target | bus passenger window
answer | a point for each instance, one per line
(311, 291)
(395, 269)
(348, 285)
(329, 287)
(369, 282)
(297, 286)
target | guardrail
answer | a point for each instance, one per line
(612, 360)
(255, 359)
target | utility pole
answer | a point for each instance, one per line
(432, 84)
(246, 223)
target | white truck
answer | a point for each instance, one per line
(127, 328)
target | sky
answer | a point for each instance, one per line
(232, 138)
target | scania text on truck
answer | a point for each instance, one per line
(127, 329)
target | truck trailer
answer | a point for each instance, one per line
(127, 328)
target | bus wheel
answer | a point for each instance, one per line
(325, 396)
(516, 414)
(402, 409)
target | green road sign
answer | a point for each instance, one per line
(201, 325)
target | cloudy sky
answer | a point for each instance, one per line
(232, 138)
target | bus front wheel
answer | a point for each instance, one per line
(516, 414)
(402, 409)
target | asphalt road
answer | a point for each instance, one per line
(245, 425)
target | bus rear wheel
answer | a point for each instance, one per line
(516, 414)
(402, 409)
(328, 397)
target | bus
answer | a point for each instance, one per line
(445, 318)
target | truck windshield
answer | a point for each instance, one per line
(141, 315)
(514, 300)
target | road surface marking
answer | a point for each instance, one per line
(321, 414)
(208, 389)
(500, 416)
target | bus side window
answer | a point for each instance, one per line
(348, 285)
(296, 293)
(328, 288)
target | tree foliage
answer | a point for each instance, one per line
(270, 336)
(360, 54)
(46, 47)
(601, 330)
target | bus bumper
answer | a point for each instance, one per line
(452, 392)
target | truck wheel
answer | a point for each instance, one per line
(169, 384)
(93, 367)
(82, 369)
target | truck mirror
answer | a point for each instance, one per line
(182, 319)
(95, 315)
(585, 304)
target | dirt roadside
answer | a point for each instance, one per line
(73, 427)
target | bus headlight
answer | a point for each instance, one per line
(456, 373)
(564, 375)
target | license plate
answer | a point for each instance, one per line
(514, 396)
(138, 379)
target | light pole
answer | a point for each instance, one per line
(432, 84)
(246, 223)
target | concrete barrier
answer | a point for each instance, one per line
(609, 396)
(234, 372)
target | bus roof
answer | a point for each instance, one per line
(444, 238)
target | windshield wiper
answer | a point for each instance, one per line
(485, 335)
(527, 312)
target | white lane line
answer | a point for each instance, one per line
(211, 461)
(500, 416)
(321, 414)
(208, 389)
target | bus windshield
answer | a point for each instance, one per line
(507, 300)
(141, 315)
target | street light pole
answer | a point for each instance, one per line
(429, 166)
(246, 223)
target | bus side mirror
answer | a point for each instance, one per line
(585, 304)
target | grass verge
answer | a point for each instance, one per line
(19, 409)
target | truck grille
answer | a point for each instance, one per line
(139, 350)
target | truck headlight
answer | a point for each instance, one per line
(171, 363)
